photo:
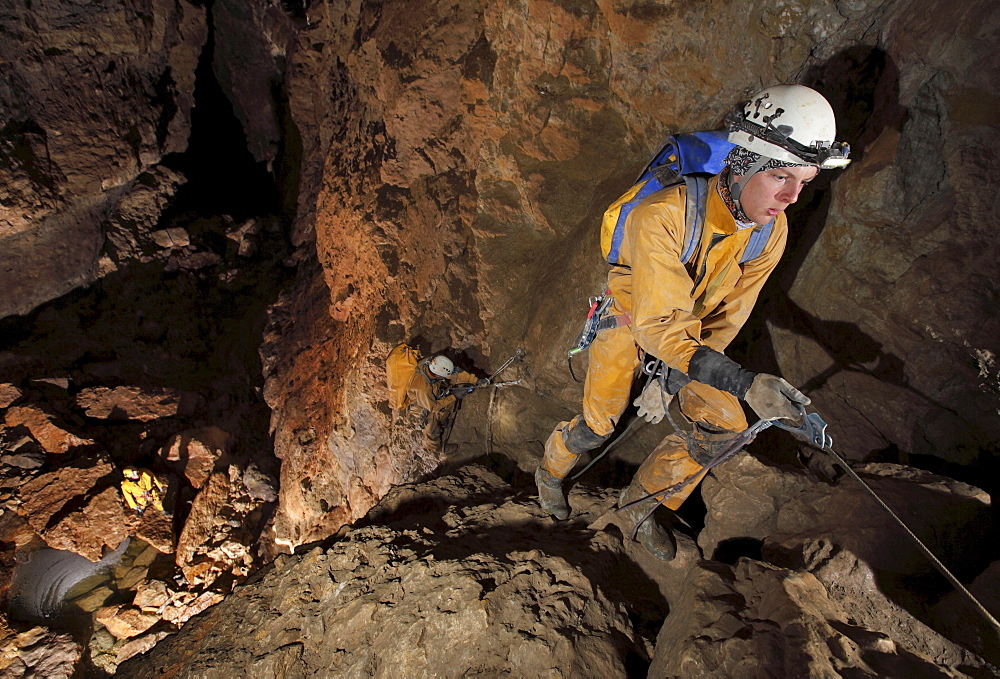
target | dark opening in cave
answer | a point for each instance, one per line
(223, 177)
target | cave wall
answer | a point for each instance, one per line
(447, 165)
(91, 97)
(455, 161)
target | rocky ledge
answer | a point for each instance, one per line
(465, 575)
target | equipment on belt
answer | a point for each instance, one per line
(596, 321)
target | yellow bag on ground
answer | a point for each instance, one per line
(400, 367)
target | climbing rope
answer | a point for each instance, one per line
(813, 431)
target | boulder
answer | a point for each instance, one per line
(9, 394)
(101, 523)
(125, 622)
(57, 504)
(42, 423)
(38, 652)
(757, 620)
(193, 453)
(135, 403)
(750, 499)
(837, 532)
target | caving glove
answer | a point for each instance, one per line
(652, 402)
(482, 381)
(771, 397)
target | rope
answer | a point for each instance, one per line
(941, 568)
(735, 445)
(616, 440)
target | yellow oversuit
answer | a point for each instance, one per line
(143, 491)
(430, 393)
(674, 309)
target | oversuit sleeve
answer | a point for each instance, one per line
(662, 320)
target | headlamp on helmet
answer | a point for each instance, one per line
(778, 121)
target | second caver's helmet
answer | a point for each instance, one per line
(442, 366)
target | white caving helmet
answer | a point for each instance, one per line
(790, 123)
(442, 366)
(783, 125)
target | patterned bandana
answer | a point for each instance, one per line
(727, 197)
(741, 160)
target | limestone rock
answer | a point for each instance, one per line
(44, 428)
(526, 598)
(135, 403)
(102, 93)
(131, 227)
(756, 620)
(194, 453)
(125, 622)
(837, 533)
(39, 652)
(49, 502)
(9, 394)
(462, 572)
(750, 499)
(181, 612)
(220, 530)
(259, 485)
(962, 620)
(137, 646)
(101, 523)
(157, 529)
(18, 449)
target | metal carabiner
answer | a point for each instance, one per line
(812, 430)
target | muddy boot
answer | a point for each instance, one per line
(550, 494)
(657, 540)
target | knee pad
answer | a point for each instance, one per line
(707, 441)
(579, 438)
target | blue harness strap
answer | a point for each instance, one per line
(758, 241)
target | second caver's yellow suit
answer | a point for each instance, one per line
(413, 385)
(674, 309)
(141, 488)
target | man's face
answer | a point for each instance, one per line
(768, 193)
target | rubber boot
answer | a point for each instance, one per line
(550, 494)
(657, 540)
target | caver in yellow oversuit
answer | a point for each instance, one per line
(432, 386)
(141, 488)
(686, 315)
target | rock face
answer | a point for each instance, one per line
(452, 190)
(443, 169)
(464, 574)
(91, 98)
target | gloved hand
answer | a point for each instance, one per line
(140, 510)
(462, 391)
(482, 381)
(652, 402)
(772, 398)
